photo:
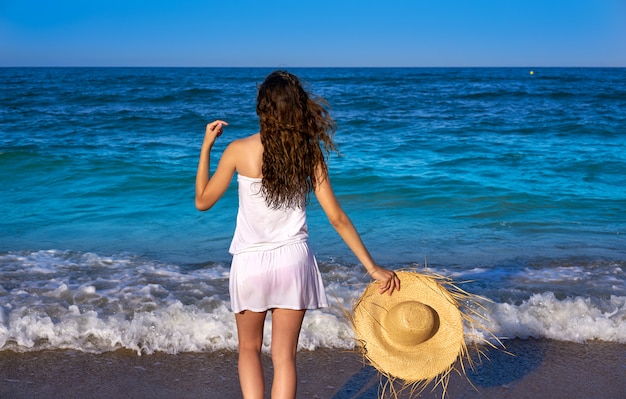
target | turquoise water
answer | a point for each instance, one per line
(515, 181)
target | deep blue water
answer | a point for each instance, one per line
(514, 180)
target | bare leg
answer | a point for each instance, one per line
(250, 334)
(286, 326)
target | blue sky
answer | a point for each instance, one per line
(313, 33)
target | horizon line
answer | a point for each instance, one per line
(310, 67)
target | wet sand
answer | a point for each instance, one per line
(537, 369)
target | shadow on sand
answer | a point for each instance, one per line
(499, 368)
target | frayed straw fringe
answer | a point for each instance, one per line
(473, 319)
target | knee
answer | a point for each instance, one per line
(283, 355)
(250, 346)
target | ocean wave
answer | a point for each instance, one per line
(188, 328)
(95, 303)
(576, 319)
(84, 301)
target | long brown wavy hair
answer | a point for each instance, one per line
(296, 133)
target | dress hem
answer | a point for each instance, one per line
(260, 310)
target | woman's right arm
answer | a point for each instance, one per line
(343, 225)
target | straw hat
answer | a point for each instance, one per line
(416, 334)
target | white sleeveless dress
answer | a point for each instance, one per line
(273, 265)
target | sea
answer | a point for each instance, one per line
(511, 182)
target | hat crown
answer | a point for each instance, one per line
(411, 323)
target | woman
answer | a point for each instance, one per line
(273, 267)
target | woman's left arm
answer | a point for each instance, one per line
(210, 189)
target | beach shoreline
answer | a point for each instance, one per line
(531, 369)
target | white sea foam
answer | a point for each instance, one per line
(576, 319)
(182, 328)
(55, 299)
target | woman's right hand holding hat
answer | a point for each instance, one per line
(389, 281)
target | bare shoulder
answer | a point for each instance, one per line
(254, 140)
(247, 152)
(250, 142)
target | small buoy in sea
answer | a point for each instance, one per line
(532, 72)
